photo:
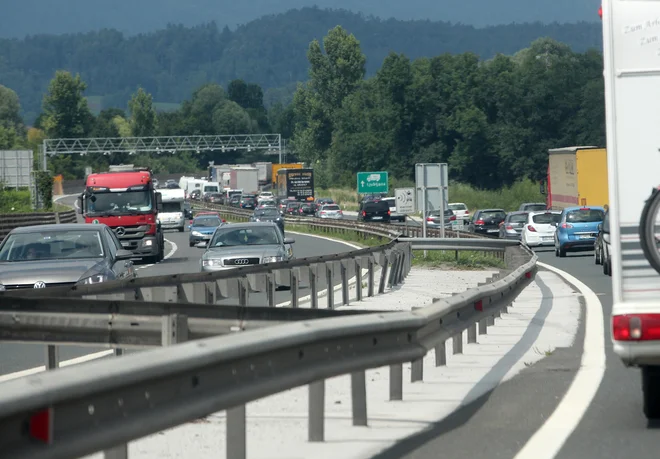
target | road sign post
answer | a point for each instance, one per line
(373, 182)
(431, 183)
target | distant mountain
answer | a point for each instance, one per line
(29, 17)
(270, 51)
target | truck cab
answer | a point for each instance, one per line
(128, 203)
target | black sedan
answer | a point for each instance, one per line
(62, 255)
(269, 214)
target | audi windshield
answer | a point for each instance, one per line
(233, 237)
(119, 203)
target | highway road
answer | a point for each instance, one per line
(181, 258)
(500, 423)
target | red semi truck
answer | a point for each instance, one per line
(128, 203)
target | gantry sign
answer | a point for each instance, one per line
(272, 143)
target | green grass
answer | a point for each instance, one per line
(15, 201)
(350, 236)
(449, 259)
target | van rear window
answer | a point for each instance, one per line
(374, 206)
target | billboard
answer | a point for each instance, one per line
(300, 184)
(16, 168)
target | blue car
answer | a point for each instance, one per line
(202, 228)
(577, 229)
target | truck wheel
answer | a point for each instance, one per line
(651, 391)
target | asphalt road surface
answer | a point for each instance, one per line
(181, 258)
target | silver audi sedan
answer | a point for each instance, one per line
(245, 244)
(61, 255)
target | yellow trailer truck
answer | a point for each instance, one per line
(577, 176)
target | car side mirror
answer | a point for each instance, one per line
(288, 240)
(124, 254)
(159, 201)
(201, 245)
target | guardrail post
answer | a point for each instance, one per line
(313, 287)
(270, 288)
(243, 291)
(293, 282)
(384, 264)
(396, 381)
(119, 352)
(57, 218)
(174, 329)
(370, 277)
(472, 333)
(490, 321)
(483, 327)
(359, 396)
(457, 343)
(52, 357)
(329, 279)
(358, 279)
(316, 415)
(344, 282)
(236, 435)
(440, 354)
(417, 370)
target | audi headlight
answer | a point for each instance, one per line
(95, 279)
(196, 233)
(211, 262)
(272, 259)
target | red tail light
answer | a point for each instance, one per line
(452, 218)
(389, 213)
(224, 221)
(509, 227)
(636, 327)
(566, 225)
(323, 212)
(191, 222)
(600, 12)
(584, 208)
(341, 213)
(479, 222)
(429, 219)
(531, 228)
(364, 213)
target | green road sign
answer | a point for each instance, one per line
(372, 182)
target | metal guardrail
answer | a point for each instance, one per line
(10, 221)
(77, 411)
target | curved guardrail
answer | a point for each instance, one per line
(77, 411)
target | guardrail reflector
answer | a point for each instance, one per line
(479, 305)
(41, 425)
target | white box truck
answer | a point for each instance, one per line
(244, 178)
(173, 214)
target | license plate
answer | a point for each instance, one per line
(546, 238)
(584, 236)
(207, 236)
(125, 244)
(493, 231)
(377, 218)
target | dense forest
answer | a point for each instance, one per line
(171, 63)
(30, 17)
(491, 120)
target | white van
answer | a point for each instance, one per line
(173, 214)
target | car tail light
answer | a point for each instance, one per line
(452, 218)
(479, 222)
(636, 327)
(364, 213)
(429, 219)
(531, 228)
(566, 225)
(584, 208)
(389, 212)
(224, 221)
(323, 212)
(191, 222)
(509, 227)
(340, 212)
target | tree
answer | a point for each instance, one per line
(104, 125)
(66, 114)
(143, 115)
(10, 109)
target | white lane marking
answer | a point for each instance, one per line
(65, 363)
(323, 292)
(169, 255)
(551, 436)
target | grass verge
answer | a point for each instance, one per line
(436, 259)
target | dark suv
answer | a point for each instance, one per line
(374, 211)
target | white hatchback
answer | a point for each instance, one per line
(460, 210)
(539, 230)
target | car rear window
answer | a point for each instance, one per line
(585, 216)
(457, 206)
(546, 219)
(331, 207)
(375, 206)
(535, 207)
(518, 218)
(491, 214)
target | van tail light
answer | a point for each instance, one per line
(636, 327)
(566, 225)
(479, 222)
(531, 228)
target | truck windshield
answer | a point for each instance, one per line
(122, 203)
